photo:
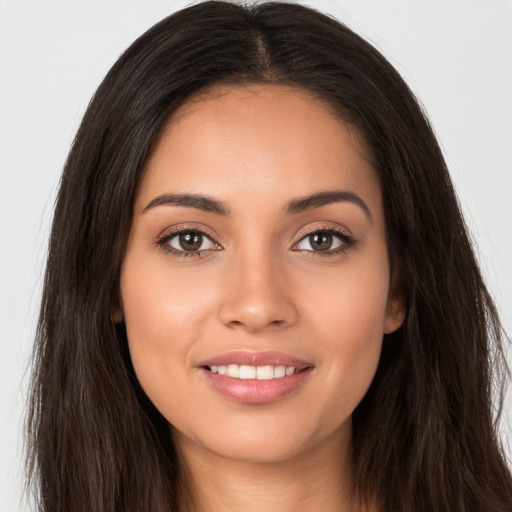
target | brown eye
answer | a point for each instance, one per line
(191, 241)
(320, 241)
(327, 241)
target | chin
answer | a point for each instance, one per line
(255, 451)
(261, 441)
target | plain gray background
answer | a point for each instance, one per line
(456, 55)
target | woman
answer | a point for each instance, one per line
(260, 293)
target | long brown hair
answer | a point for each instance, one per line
(425, 435)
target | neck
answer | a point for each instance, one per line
(317, 479)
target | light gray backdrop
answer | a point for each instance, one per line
(456, 55)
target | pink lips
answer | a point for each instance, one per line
(256, 359)
(253, 391)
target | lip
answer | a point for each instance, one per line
(247, 357)
(253, 391)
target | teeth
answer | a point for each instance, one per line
(279, 371)
(233, 370)
(267, 372)
(247, 372)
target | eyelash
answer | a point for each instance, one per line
(347, 242)
(167, 236)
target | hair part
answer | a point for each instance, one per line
(425, 433)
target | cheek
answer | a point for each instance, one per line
(350, 302)
(164, 315)
(159, 302)
(347, 314)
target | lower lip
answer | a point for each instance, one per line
(253, 391)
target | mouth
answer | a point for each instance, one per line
(256, 377)
(247, 372)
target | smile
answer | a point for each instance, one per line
(256, 377)
(246, 372)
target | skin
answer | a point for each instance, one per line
(260, 286)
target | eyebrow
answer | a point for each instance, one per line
(204, 203)
(210, 205)
(324, 198)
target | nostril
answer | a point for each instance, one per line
(254, 312)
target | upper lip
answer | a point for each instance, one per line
(250, 358)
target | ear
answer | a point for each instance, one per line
(396, 307)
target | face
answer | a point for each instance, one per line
(256, 281)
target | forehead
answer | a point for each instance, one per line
(258, 140)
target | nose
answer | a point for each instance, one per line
(257, 295)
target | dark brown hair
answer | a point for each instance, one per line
(425, 435)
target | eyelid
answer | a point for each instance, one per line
(322, 228)
(184, 228)
(347, 240)
(161, 241)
